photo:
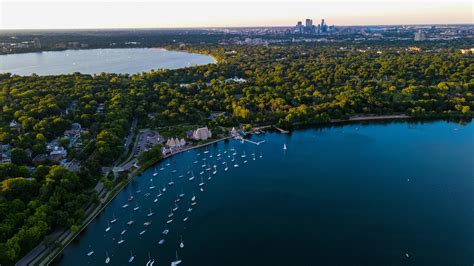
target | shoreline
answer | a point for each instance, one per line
(137, 173)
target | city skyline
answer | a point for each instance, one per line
(194, 14)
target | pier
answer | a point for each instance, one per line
(282, 130)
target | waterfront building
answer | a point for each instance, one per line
(202, 133)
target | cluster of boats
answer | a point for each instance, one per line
(206, 165)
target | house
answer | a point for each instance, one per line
(15, 125)
(5, 153)
(40, 158)
(50, 146)
(175, 143)
(57, 154)
(74, 135)
(202, 133)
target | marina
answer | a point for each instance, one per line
(194, 217)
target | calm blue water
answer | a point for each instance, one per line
(348, 195)
(130, 60)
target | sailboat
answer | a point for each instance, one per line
(130, 221)
(107, 258)
(161, 242)
(194, 197)
(166, 231)
(90, 253)
(125, 205)
(156, 199)
(142, 232)
(182, 194)
(226, 168)
(108, 227)
(175, 207)
(243, 155)
(181, 244)
(208, 168)
(155, 173)
(178, 199)
(152, 186)
(169, 221)
(177, 261)
(150, 261)
(150, 213)
(284, 146)
(123, 231)
(236, 165)
(261, 155)
(185, 219)
(253, 156)
(113, 219)
(215, 170)
(146, 223)
(121, 240)
(233, 158)
(171, 183)
(164, 188)
(136, 207)
(131, 257)
(202, 182)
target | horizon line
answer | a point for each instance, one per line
(233, 27)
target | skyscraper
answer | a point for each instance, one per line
(419, 36)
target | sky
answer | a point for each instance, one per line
(89, 14)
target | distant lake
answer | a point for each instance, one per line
(397, 193)
(93, 61)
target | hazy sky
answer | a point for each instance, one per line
(70, 14)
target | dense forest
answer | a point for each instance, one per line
(299, 84)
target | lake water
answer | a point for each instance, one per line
(131, 60)
(361, 194)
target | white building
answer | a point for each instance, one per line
(202, 133)
(420, 36)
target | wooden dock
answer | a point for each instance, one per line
(282, 130)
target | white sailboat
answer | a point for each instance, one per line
(155, 173)
(175, 207)
(215, 170)
(253, 156)
(131, 257)
(284, 146)
(209, 177)
(113, 219)
(142, 232)
(181, 195)
(125, 205)
(90, 253)
(236, 165)
(181, 244)
(164, 188)
(150, 213)
(166, 231)
(108, 227)
(261, 155)
(192, 176)
(243, 155)
(161, 242)
(150, 261)
(185, 219)
(233, 158)
(121, 240)
(226, 167)
(152, 186)
(194, 197)
(130, 221)
(136, 207)
(107, 258)
(177, 261)
(202, 182)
